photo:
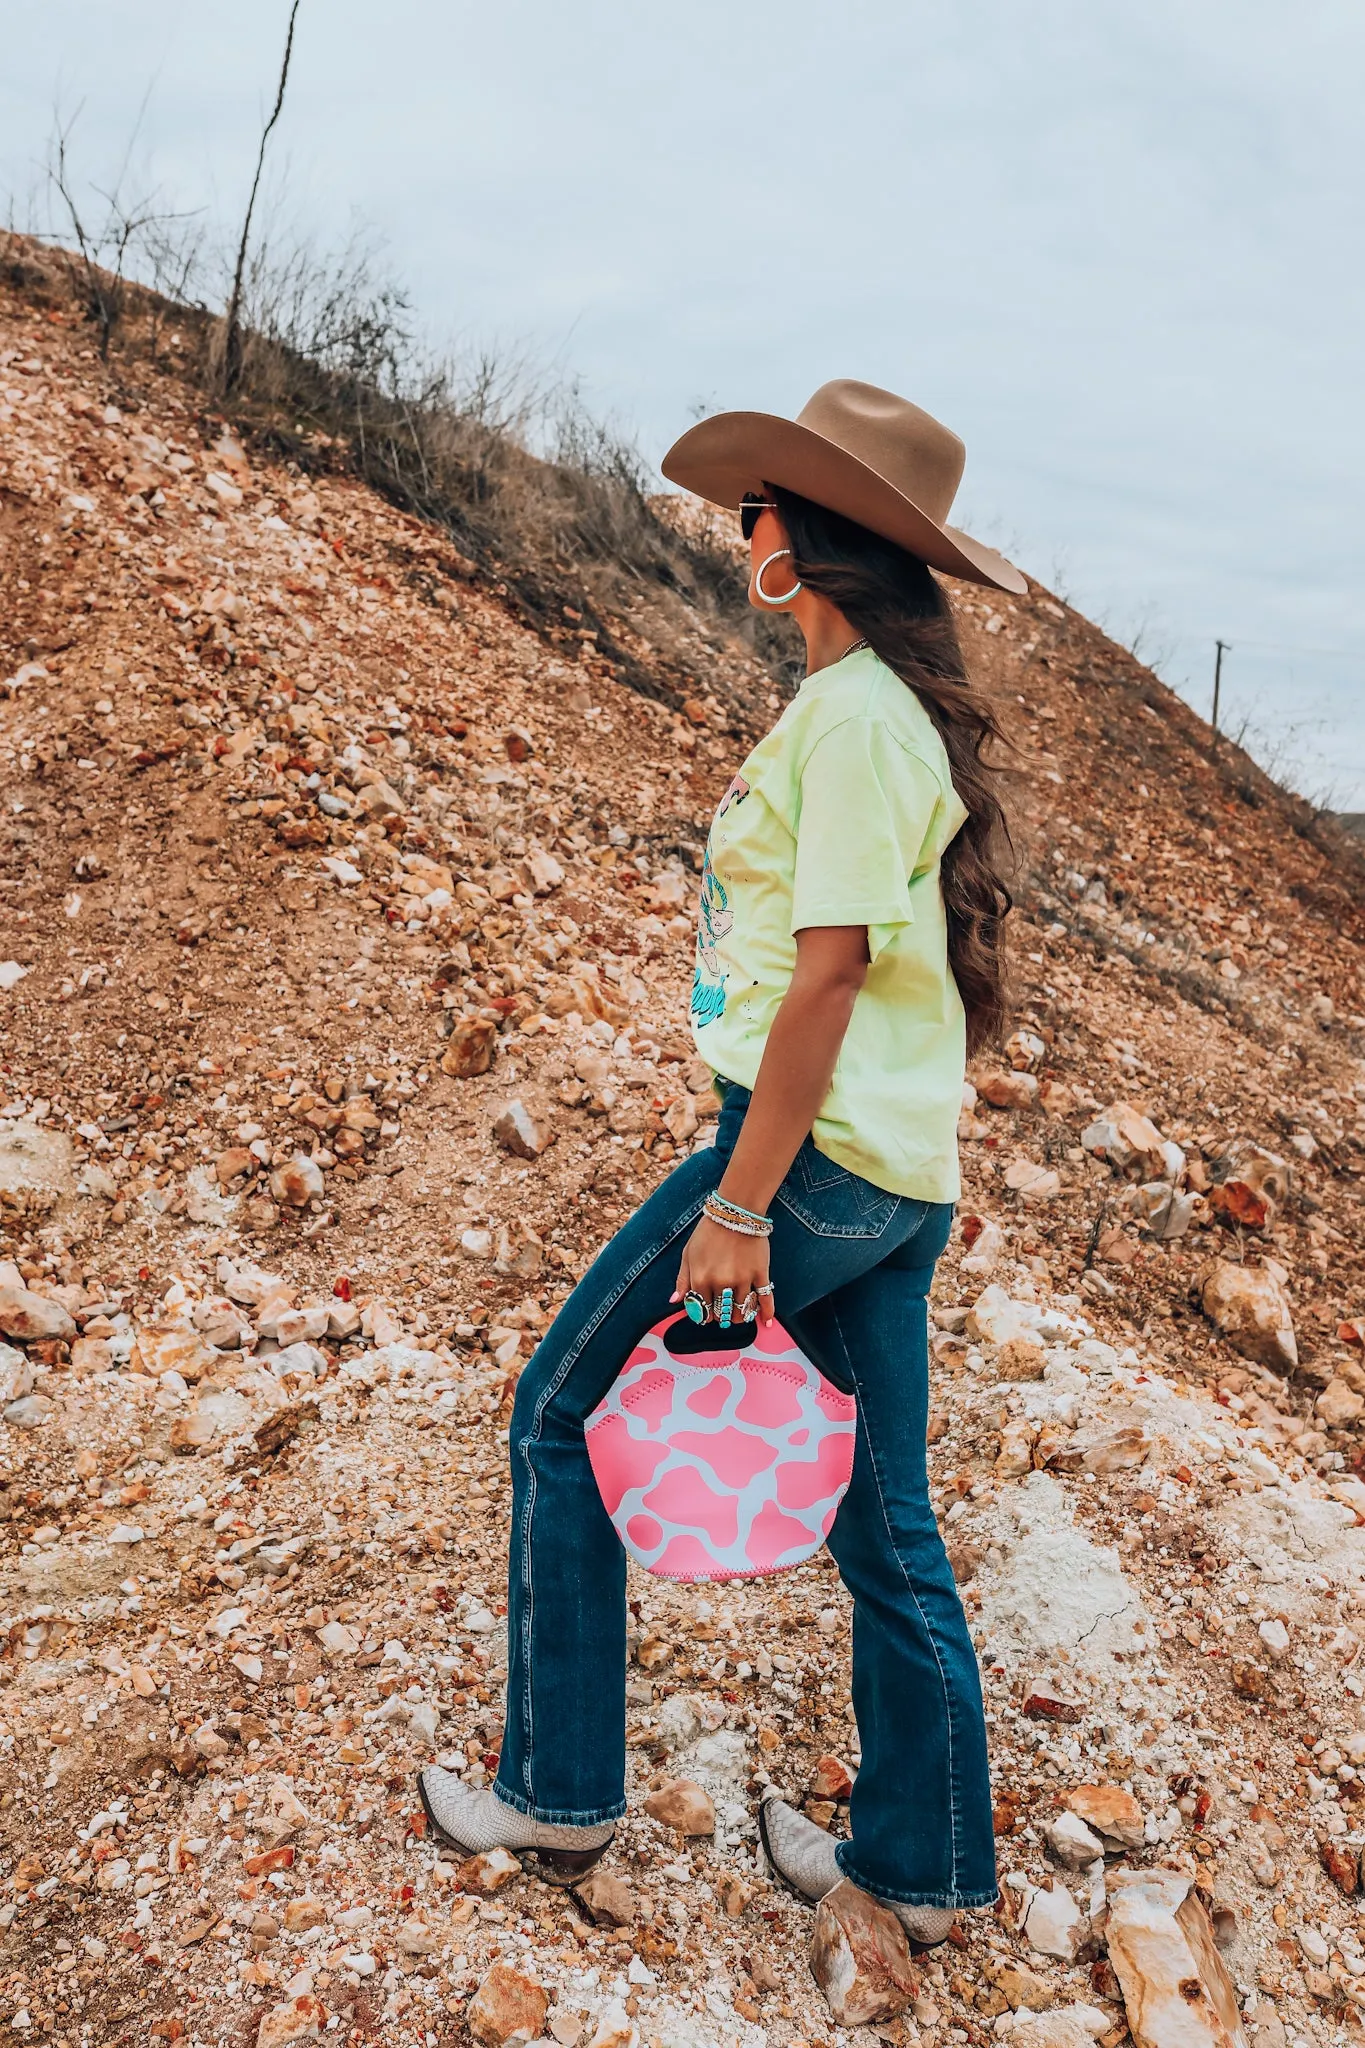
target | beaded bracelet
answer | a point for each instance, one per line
(761, 1226)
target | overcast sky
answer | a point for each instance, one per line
(1117, 248)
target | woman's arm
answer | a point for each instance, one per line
(793, 1081)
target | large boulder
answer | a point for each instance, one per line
(1176, 1988)
(1339, 1405)
(37, 1168)
(1008, 1091)
(1054, 1924)
(521, 1133)
(860, 1958)
(473, 1041)
(506, 2004)
(1249, 1305)
(300, 2019)
(489, 1871)
(682, 1805)
(1111, 1812)
(1250, 1186)
(1129, 1141)
(297, 1182)
(32, 1317)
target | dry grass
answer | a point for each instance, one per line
(543, 499)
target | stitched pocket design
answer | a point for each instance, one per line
(832, 1202)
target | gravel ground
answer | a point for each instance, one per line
(344, 946)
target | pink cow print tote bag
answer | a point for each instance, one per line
(721, 1455)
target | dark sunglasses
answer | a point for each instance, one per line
(750, 507)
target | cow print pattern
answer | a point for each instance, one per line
(724, 1464)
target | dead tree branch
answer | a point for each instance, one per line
(232, 332)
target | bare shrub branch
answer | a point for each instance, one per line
(106, 250)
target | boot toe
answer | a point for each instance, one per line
(447, 1801)
(800, 1853)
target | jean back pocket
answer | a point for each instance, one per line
(832, 1202)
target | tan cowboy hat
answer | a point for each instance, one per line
(854, 449)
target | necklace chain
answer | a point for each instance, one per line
(852, 648)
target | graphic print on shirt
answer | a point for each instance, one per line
(715, 920)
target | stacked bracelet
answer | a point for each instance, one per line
(730, 1216)
(737, 1209)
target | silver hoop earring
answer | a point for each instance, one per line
(787, 595)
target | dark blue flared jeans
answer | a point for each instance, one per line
(851, 1269)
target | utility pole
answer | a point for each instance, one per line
(1222, 647)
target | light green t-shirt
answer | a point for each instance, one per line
(838, 817)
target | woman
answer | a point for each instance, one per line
(849, 954)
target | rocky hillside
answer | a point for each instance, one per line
(344, 943)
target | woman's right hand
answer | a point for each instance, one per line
(716, 1258)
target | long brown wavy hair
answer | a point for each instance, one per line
(893, 600)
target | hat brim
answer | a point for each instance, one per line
(733, 452)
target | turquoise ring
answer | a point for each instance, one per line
(695, 1307)
(726, 1310)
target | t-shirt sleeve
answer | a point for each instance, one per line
(867, 806)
